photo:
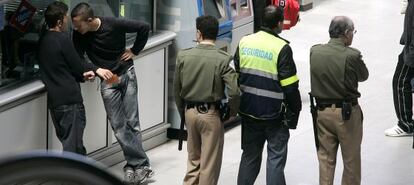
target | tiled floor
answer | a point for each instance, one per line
(385, 160)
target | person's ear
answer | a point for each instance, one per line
(280, 24)
(199, 35)
(346, 34)
(59, 23)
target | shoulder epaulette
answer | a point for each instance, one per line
(316, 45)
(187, 48)
(354, 49)
(223, 52)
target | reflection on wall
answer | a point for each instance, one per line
(18, 46)
(214, 8)
(100, 7)
(139, 10)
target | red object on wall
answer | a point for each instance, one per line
(22, 17)
(291, 12)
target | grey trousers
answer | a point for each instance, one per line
(121, 104)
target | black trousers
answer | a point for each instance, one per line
(70, 122)
(402, 94)
(254, 135)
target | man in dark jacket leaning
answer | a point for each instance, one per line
(269, 88)
(103, 39)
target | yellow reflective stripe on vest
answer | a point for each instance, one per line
(260, 51)
(288, 81)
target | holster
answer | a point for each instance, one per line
(346, 110)
(224, 110)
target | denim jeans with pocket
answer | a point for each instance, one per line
(121, 104)
(69, 122)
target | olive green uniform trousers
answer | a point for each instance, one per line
(205, 146)
(334, 132)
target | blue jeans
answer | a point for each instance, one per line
(69, 122)
(254, 134)
(121, 105)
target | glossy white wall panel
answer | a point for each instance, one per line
(22, 128)
(95, 132)
(150, 74)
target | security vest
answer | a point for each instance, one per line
(262, 94)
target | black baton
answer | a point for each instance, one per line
(181, 133)
(314, 112)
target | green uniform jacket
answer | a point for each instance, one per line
(201, 74)
(336, 70)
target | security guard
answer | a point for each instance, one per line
(270, 101)
(335, 71)
(201, 74)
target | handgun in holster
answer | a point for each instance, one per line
(346, 110)
(202, 108)
(224, 110)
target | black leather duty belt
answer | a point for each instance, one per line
(202, 107)
(190, 105)
(337, 105)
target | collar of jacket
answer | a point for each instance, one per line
(336, 41)
(271, 32)
(206, 46)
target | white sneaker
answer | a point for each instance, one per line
(396, 131)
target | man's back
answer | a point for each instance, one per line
(267, 70)
(201, 70)
(336, 71)
(61, 68)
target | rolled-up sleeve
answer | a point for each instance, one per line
(356, 68)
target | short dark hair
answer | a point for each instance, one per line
(54, 12)
(339, 25)
(208, 26)
(84, 10)
(272, 16)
